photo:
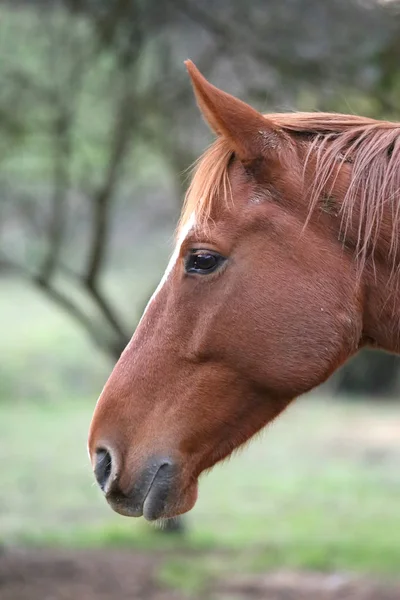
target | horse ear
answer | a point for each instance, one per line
(250, 133)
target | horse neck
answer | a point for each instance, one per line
(381, 286)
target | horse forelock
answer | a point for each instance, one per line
(209, 177)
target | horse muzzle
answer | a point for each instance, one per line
(150, 496)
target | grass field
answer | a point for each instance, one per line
(318, 490)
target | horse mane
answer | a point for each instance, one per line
(209, 176)
(372, 148)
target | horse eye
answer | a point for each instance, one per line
(203, 262)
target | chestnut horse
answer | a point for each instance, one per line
(286, 264)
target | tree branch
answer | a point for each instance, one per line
(59, 298)
(62, 151)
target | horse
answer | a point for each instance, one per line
(286, 264)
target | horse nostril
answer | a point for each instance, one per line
(103, 467)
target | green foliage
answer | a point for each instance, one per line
(50, 69)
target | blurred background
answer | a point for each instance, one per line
(98, 126)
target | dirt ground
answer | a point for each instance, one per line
(118, 575)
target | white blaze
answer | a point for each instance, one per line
(183, 235)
